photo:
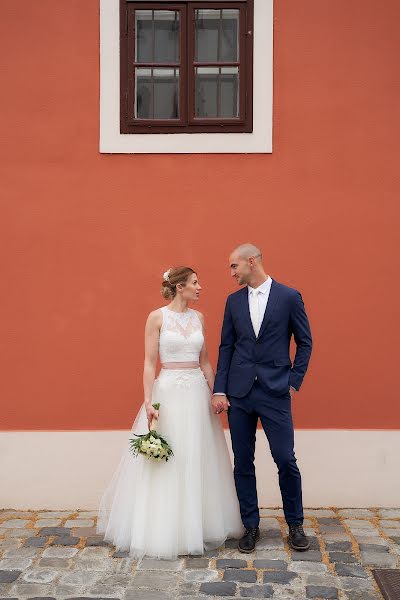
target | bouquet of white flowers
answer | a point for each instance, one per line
(151, 444)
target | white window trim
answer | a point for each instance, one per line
(112, 141)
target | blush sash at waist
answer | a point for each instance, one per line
(181, 365)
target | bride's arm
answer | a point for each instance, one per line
(151, 340)
(205, 364)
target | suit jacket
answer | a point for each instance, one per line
(243, 356)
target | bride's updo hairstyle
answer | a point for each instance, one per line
(172, 278)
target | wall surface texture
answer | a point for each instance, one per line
(85, 237)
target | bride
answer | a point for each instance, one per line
(187, 505)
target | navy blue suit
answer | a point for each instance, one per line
(256, 374)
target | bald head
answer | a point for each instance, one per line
(245, 263)
(246, 251)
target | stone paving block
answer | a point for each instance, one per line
(201, 575)
(39, 575)
(59, 552)
(20, 552)
(271, 512)
(342, 557)
(120, 554)
(388, 524)
(319, 512)
(96, 541)
(283, 577)
(106, 591)
(269, 523)
(240, 575)
(309, 555)
(84, 531)
(62, 514)
(36, 542)
(131, 594)
(256, 591)
(187, 588)
(56, 563)
(271, 534)
(79, 523)
(154, 581)
(378, 559)
(356, 595)
(18, 533)
(338, 546)
(314, 591)
(329, 529)
(95, 552)
(350, 570)
(357, 513)
(392, 532)
(374, 547)
(153, 564)
(79, 577)
(389, 513)
(270, 555)
(309, 567)
(370, 539)
(196, 563)
(14, 524)
(231, 543)
(15, 564)
(356, 583)
(65, 541)
(234, 563)
(9, 576)
(47, 522)
(359, 524)
(93, 564)
(59, 531)
(31, 590)
(9, 543)
(218, 588)
(270, 543)
(329, 521)
(275, 565)
(323, 580)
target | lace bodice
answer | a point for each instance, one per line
(181, 336)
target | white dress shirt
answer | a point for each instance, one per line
(258, 300)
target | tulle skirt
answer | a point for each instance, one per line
(183, 506)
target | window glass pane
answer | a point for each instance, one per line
(217, 92)
(229, 51)
(166, 36)
(217, 35)
(157, 93)
(144, 35)
(157, 36)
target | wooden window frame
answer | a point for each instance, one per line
(187, 122)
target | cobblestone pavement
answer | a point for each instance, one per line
(58, 555)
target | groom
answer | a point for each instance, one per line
(256, 379)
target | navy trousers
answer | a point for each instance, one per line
(276, 418)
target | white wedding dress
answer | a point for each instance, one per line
(188, 504)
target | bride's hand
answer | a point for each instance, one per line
(219, 403)
(152, 413)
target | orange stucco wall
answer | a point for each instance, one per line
(86, 237)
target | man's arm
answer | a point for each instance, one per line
(226, 348)
(302, 337)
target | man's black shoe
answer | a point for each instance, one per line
(248, 542)
(297, 538)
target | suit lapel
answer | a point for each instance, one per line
(245, 309)
(272, 300)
